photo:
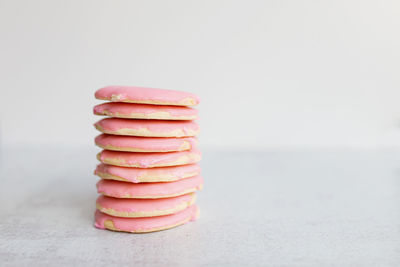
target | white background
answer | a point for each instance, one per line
(270, 73)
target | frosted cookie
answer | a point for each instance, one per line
(147, 128)
(147, 224)
(144, 95)
(139, 175)
(144, 144)
(149, 160)
(119, 189)
(142, 111)
(132, 208)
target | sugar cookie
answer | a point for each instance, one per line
(132, 208)
(149, 160)
(147, 224)
(119, 189)
(149, 128)
(145, 144)
(145, 95)
(139, 175)
(142, 111)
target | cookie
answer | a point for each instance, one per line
(132, 208)
(144, 144)
(145, 95)
(147, 128)
(142, 111)
(147, 224)
(149, 160)
(139, 175)
(119, 189)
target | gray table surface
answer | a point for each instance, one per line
(258, 208)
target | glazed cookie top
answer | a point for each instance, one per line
(144, 144)
(149, 160)
(142, 111)
(143, 205)
(153, 128)
(145, 95)
(149, 190)
(136, 175)
(146, 224)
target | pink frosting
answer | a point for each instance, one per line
(132, 93)
(147, 160)
(123, 189)
(155, 126)
(132, 174)
(129, 108)
(145, 224)
(144, 143)
(142, 205)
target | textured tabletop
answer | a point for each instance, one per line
(274, 208)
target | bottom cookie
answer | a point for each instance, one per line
(145, 225)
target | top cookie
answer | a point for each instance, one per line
(143, 95)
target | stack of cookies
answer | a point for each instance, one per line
(148, 170)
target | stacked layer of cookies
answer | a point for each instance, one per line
(148, 170)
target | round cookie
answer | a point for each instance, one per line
(142, 111)
(147, 224)
(145, 95)
(133, 208)
(144, 144)
(119, 189)
(147, 128)
(149, 160)
(139, 175)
